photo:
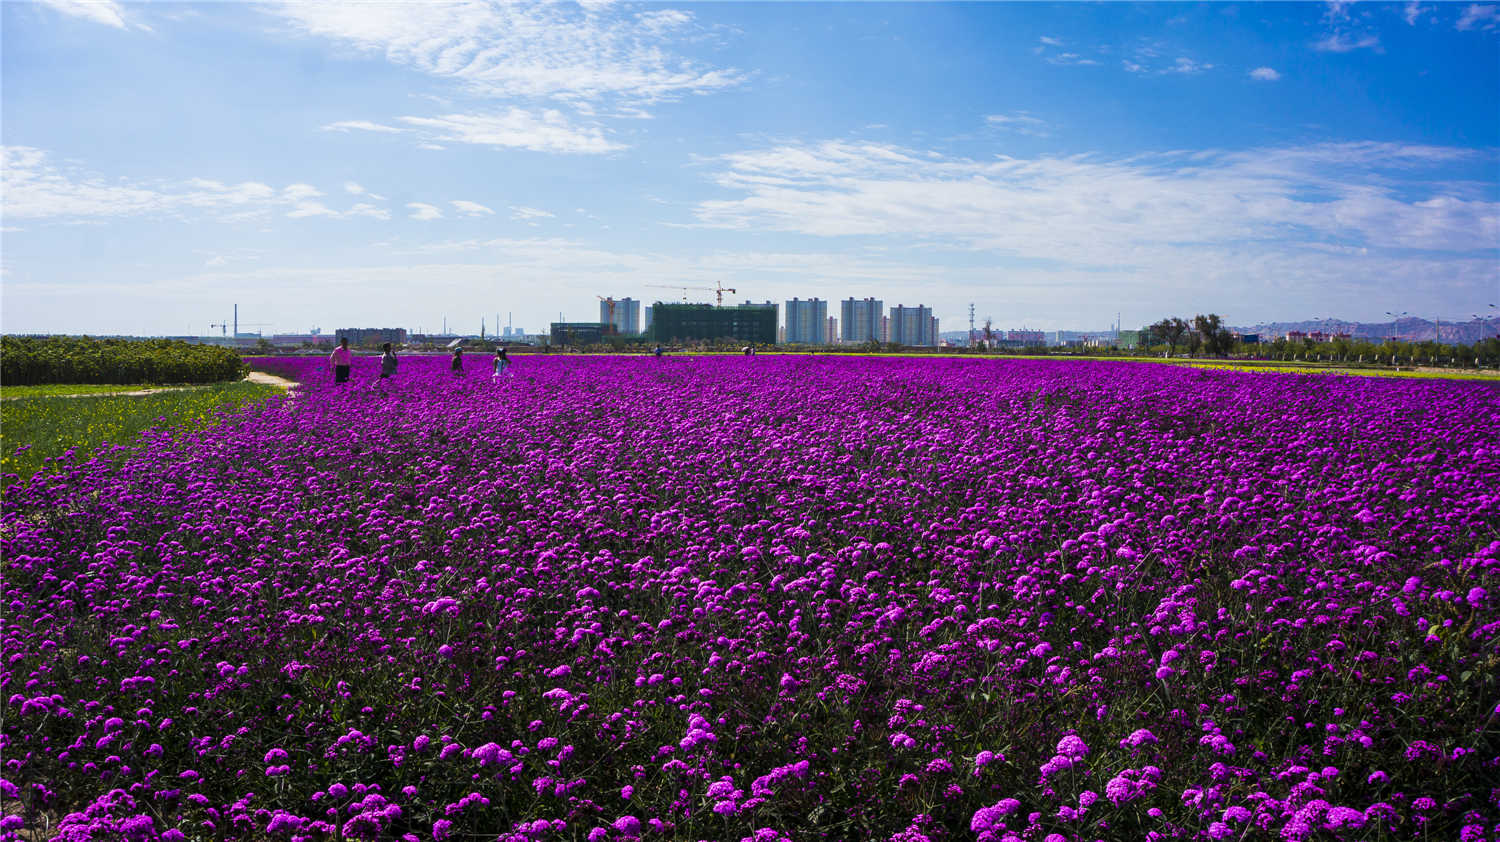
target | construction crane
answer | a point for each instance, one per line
(718, 290)
(609, 306)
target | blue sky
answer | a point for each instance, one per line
(373, 164)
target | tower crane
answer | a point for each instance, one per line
(718, 290)
(609, 307)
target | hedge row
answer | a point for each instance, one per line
(32, 360)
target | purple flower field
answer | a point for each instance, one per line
(776, 598)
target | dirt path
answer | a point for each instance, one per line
(253, 377)
(272, 380)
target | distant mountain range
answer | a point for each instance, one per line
(1411, 329)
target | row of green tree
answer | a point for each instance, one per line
(1208, 335)
(34, 360)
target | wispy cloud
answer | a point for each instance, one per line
(1413, 12)
(1343, 42)
(1186, 65)
(506, 50)
(368, 210)
(38, 188)
(546, 131)
(1152, 214)
(360, 126)
(524, 213)
(468, 208)
(1020, 122)
(1478, 17)
(107, 12)
(1265, 74)
(424, 211)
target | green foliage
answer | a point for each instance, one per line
(31, 360)
(36, 429)
(1168, 332)
(1215, 338)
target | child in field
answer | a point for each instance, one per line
(458, 362)
(501, 364)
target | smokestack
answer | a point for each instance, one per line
(236, 321)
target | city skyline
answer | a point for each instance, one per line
(328, 164)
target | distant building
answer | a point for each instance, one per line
(368, 337)
(806, 321)
(627, 314)
(1130, 339)
(884, 333)
(580, 333)
(860, 319)
(1027, 337)
(646, 324)
(297, 340)
(755, 323)
(831, 334)
(913, 326)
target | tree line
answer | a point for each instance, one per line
(36, 360)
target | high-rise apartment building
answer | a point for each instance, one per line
(806, 321)
(626, 316)
(861, 319)
(831, 332)
(913, 326)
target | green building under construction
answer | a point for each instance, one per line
(749, 323)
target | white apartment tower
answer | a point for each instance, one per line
(861, 319)
(806, 320)
(913, 326)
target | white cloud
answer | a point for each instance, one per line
(107, 12)
(659, 22)
(1020, 122)
(310, 208)
(422, 210)
(361, 126)
(1413, 12)
(525, 213)
(1070, 59)
(299, 192)
(1050, 42)
(1340, 42)
(353, 187)
(547, 131)
(468, 208)
(217, 260)
(1084, 212)
(367, 209)
(508, 50)
(1265, 74)
(1188, 66)
(37, 188)
(1478, 17)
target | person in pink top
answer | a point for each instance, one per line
(341, 359)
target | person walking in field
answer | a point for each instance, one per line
(341, 360)
(387, 361)
(501, 363)
(458, 362)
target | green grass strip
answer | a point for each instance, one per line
(33, 429)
